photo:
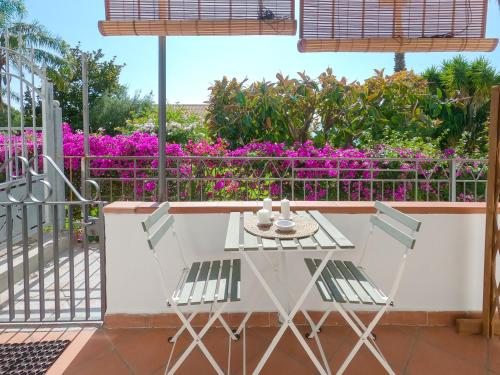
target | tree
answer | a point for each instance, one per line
(103, 80)
(399, 62)
(10, 10)
(111, 111)
(465, 87)
(31, 38)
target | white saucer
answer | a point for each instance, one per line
(285, 225)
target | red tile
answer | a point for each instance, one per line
(494, 355)
(409, 350)
(471, 348)
(110, 364)
(145, 350)
(429, 360)
(96, 346)
(125, 321)
(396, 344)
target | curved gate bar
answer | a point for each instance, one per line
(64, 178)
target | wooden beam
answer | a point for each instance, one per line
(496, 328)
(198, 27)
(398, 45)
(467, 327)
(491, 232)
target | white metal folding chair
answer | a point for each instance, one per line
(345, 284)
(214, 282)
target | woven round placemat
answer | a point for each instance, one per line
(305, 227)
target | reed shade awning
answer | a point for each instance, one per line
(199, 17)
(393, 26)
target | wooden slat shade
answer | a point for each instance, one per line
(199, 17)
(393, 26)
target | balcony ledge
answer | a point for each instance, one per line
(131, 207)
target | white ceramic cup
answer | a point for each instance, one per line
(264, 216)
(268, 204)
(285, 209)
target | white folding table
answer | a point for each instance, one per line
(327, 240)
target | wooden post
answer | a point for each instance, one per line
(489, 324)
(492, 239)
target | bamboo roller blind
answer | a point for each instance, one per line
(392, 25)
(198, 17)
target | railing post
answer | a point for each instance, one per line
(49, 144)
(162, 121)
(452, 168)
(86, 122)
(58, 157)
(84, 176)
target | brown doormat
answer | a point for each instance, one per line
(31, 358)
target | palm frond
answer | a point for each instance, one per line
(37, 36)
(10, 10)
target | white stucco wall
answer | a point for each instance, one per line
(444, 272)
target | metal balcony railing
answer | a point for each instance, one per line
(200, 178)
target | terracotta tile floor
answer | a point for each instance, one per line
(410, 350)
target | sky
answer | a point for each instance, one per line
(193, 63)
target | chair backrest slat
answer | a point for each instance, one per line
(394, 232)
(152, 219)
(159, 231)
(404, 219)
(157, 224)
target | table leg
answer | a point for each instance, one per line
(288, 317)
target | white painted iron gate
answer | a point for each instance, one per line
(52, 255)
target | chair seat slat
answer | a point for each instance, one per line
(323, 290)
(335, 291)
(188, 285)
(235, 280)
(342, 283)
(212, 282)
(224, 281)
(375, 293)
(354, 283)
(201, 281)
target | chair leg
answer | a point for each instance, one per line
(309, 335)
(360, 323)
(197, 340)
(364, 338)
(174, 338)
(232, 334)
(288, 317)
(314, 334)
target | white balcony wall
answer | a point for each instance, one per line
(444, 272)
